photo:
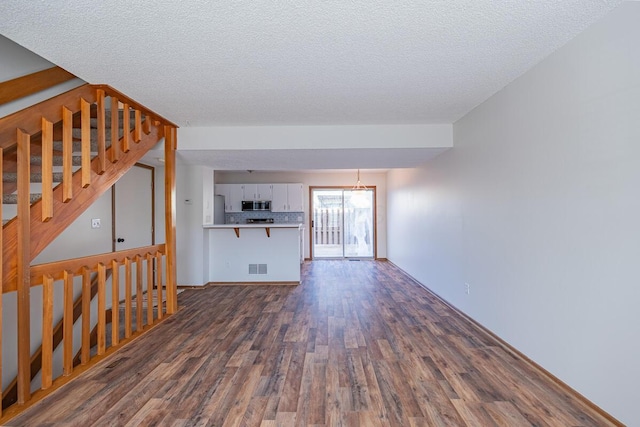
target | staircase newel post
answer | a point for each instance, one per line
(23, 260)
(170, 137)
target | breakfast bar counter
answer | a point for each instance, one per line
(254, 253)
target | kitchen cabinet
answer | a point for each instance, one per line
(279, 198)
(265, 192)
(257, 192)
(233, 195)
(294, 194)
(287, 198)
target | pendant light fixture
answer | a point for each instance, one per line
(359, 185)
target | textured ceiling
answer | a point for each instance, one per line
(204, 63)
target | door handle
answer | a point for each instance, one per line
(119, 240)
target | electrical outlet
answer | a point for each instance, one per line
(467, 288)
(299, 219)
(286, 219)
(95, 223)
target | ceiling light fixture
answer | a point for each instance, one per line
(359, 185)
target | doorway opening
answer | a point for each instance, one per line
(343, 223)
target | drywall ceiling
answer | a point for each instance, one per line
(208, 63)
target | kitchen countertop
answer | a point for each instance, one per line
(275, 225)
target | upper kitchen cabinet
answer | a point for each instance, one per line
(257, 192)
(294, 192)
(233, 196)
(287, 198)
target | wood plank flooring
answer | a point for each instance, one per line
(356, 344)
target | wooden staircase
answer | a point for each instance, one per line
(57, 158)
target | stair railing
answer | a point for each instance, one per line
(27, 145)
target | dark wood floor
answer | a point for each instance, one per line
(358, 343)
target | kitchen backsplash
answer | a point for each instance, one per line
(278, 217)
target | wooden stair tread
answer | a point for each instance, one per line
(12, 199)
(35, 177)
(57, 160)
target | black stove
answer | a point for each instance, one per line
(259, 220)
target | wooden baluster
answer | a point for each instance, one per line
(23, 258)
(170, 216)
(115, 147)
(127, 298)
(149, 289)
(138, 293)
(159, 283)
(102, 309)
(67, 324)
(85, 123)
(126, 127)
(67, 154)
(47, 170)
(85, 354)
(146, 125)
(115, 303)
(102, 156)
(137, 130)
(47, 331)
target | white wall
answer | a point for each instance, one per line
(318, 179)
(537, 208)
(16, 61)
(191, 251)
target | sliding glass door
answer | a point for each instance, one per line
(343, 223)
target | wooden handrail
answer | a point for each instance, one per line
(32, 83)
(109, 91)
(30, 119)
(75, 265)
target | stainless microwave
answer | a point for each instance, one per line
(249, 205)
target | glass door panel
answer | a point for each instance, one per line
(343, 223)
(358, 223)
(327, 224)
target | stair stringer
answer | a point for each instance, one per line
(43, 233)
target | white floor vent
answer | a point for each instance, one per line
(257, 268)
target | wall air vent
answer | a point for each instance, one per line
(257, 268)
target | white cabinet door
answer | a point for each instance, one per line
(250, 191)
(279, 198)
(263, 192)
(236, 194)
(232, 196)
(295, 198)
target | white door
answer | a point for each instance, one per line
(133, 209)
